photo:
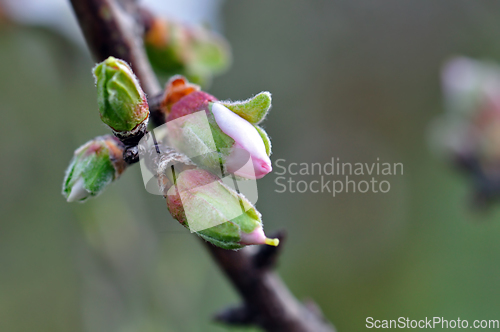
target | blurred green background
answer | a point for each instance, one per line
(353, 79)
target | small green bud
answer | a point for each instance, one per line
(210, 52)
(122, 103)
(201, 202)
(165, 45)
(175, 48)
(94, 166)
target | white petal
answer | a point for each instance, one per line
(246, 137)
(78, 191)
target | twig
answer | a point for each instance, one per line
(267, 301)
(112, 29)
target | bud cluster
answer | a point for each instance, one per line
(229, 150)
(215, 142)
(124, 109)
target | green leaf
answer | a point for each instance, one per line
(254, 110)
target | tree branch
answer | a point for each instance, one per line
(267, 301)
(112, 29)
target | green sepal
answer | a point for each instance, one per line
(213, 201)
(265, 138)
(254, 110)
(228, 235)
(99, 174)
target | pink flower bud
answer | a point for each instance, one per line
(246, 138)
(201, 202)
(244, 147)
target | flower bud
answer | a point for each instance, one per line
(195, 52)
(247, 138)
(176, 88)
(122, 103)
(201, 202)
(231, 136)
(95, 165)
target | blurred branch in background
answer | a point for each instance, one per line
(115, 29)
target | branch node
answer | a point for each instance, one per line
(131, 154)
